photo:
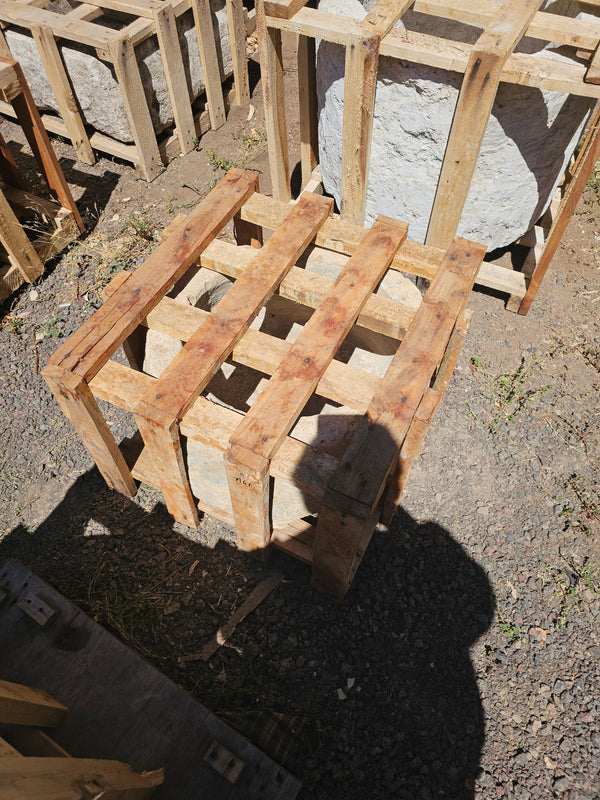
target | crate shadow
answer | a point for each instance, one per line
(410, 722)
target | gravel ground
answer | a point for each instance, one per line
(465, 660)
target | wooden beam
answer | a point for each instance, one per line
(210, 62)
(23, 705)
(237, 37)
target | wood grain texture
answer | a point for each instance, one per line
(473, 109)
(24, 705)
(19, 249)
(99, 337)
(237, 37)
(210, 62)
(191, 370)
(80, 408)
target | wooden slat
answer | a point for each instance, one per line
(80, 408)
(307, 102)
(271, 60)
(170, 51)
(23, 705)
(272, 415)
(592, 74)
(7, 750)
(210, 62)
(587, 159)
(191, 370)
(20, 251)
(545, 26)
(349, 509)
(237, 37)
(63, 92)
(100, 336)
(35, 133)
(362, 60)
(136, 106)
(66, 779)
(342, 383)
(283, 8)
(281, 402)
(141, 8)
(473, 110)
(61, 25)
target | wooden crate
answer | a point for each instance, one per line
(136, 20)
(58, 218)
(356, 482)
(490, 60)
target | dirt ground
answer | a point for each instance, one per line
(465, 660)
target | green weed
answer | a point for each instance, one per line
(509, 629)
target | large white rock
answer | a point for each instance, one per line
(528, 142)
(95, 84)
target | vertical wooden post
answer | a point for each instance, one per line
(168, 41)
(210, 62)
(125, 64)
(473, 109)
(77, 402)
(271, 64)
(249, 483)
(237, 37)
(21, 252)
(63, 92)
(307, 91)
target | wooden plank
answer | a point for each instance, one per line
(141, 8)
(189, 373)
(61, 25)
(63, 92)
(277, 408)
(545, 26)
(592, 74)
(473, 109)
(34, 742)
(170, 51)
(66, 778)
(100, 336)
(164, 448)
(35, 133)
(307, 100)
(283, 8)
(210, 62)
(136, 106)
(271, 61)
(20, 251)
(79, 406)
(586, 160)
(24, 705)
(349, 509)
(7, 750)
(237, 37)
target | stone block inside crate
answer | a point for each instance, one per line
(305, 431)
(96, 86)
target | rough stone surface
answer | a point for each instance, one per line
(94, 81)
(529, 139)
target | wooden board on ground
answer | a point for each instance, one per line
(121, 708)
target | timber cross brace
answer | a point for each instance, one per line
(349, 485)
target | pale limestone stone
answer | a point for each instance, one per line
(529, 140)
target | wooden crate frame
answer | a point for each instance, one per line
(358, 490)
(117, 47)
(490, 60)
(27, 258)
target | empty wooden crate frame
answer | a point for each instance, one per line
(349, 484)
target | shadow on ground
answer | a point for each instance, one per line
(391, 663)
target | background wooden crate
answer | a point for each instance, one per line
(136, 21)
(484, 65)
(57, 217)
(353, 483)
